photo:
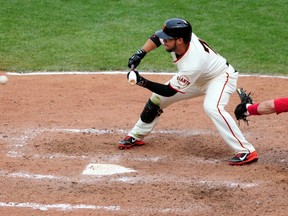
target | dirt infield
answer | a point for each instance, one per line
(53, 127)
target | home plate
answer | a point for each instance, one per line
(105, 169)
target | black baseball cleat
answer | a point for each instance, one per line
(244, 158)
(129, 142)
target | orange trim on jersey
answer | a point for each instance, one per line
(182, 54)
(176, 89)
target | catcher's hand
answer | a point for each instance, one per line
(241, 109)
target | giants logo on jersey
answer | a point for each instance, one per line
(183, 80)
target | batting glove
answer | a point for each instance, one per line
(136, 58)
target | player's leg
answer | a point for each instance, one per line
(217, 96)
(146, 122)
(150, 116)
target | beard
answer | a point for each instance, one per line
(172, 49)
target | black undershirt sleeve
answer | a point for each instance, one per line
(158, 88)
(161, 89)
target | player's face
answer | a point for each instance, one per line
(170, 45)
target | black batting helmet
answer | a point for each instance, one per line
(175, 28)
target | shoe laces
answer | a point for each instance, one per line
(239, 154)
(128, 137)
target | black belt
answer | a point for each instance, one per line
(227, 63)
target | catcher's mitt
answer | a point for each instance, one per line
(241, 110)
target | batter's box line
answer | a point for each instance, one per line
(19, 143)
(122, 131)
(139, 179)
(61, 207)
(69, 207)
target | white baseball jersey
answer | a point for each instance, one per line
(198, 65)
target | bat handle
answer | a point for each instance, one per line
(132, 77)
(132, 67)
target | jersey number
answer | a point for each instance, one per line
(206, 46)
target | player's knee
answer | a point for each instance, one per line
(150, 112)
(210, 110)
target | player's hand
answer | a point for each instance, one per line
(136, 58)
(141, 81)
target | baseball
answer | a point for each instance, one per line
(3, 80)
(132, 79)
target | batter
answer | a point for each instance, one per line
(202, 71)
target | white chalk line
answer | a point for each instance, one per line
(139, 179)
(19, 143)
(62, 207)
(69, 207)
(121, 72)
(122, 131)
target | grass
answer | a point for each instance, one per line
(89, 35)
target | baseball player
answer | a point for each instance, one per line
(247, 107)
(202, 71)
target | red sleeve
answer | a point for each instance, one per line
(281, 105)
